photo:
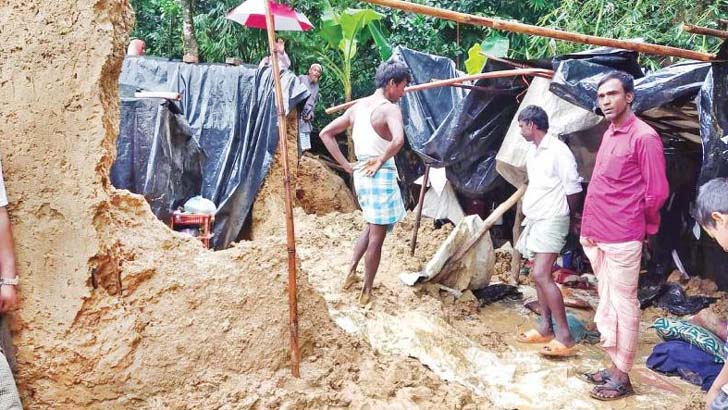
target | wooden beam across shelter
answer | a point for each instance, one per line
(515, 27)
(706, 31)
(537, 72)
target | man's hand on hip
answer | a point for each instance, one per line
(8, 298)
(372, 166)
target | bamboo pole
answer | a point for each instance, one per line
(451, 81)
(290, 235)
(451, 263)
(425, 180)
(705, 31)
(543, 32)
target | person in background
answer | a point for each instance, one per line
(550, 206)
(711, 213)
(306, 116)
(136, 48)
(284, 63)
(621, 212)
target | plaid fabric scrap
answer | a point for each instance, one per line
(379, 195)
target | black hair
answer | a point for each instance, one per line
(625, 79)
(712, 197)
(536, 115)
(392, 70)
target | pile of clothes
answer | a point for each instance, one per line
(690, 351)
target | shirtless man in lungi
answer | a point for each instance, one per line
(622, 208)
(378, 135)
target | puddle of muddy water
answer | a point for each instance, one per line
(515, 376)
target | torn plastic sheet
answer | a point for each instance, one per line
(469, 138)
(157, 155)
(231, 112)
(424, 111)
(473, 271)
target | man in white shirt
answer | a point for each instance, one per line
(549, 205)
(9, 398)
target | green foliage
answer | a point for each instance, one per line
(652, 21)
(494, 46)
(159, 23)
(344, 31)
(475, 62)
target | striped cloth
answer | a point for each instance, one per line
(617, 267)
(9, 398)
(379, 195)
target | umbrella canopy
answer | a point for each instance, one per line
(251, 13)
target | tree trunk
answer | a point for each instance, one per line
(349, 140)
(191, 52)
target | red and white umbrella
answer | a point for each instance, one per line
(251, 13)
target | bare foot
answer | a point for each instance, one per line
(364, 298)
(349, 280)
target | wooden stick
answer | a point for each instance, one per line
(290, 235)
(724, 22)
(515, 255)
(543, 32)
(451, 263)
(705, 31)
(451, 81)
(503, 60)
(425, 180)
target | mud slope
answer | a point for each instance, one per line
(117, 311)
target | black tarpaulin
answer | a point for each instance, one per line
(713, 107)
(424, 111)
(576, 80)
(231, 112)
(469, 138)
(156, 155)
(453, 128)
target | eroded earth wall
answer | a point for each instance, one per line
(116, 311)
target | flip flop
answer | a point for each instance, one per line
(557, 349)
(590, 377)
(533, 337)
(622, 389)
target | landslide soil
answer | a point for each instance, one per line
(116, 310)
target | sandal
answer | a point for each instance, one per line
(557, 349)
(533, 336)
(622, 389)
(590, 377)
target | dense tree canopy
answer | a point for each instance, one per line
(159, 23)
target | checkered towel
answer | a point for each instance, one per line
(9, 399)
(379, 195)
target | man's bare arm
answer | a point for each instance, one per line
(8, 296)
(574, 201)
(328, 136)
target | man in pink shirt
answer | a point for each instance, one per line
(622, 208)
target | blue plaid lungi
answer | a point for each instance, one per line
(379, 195)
